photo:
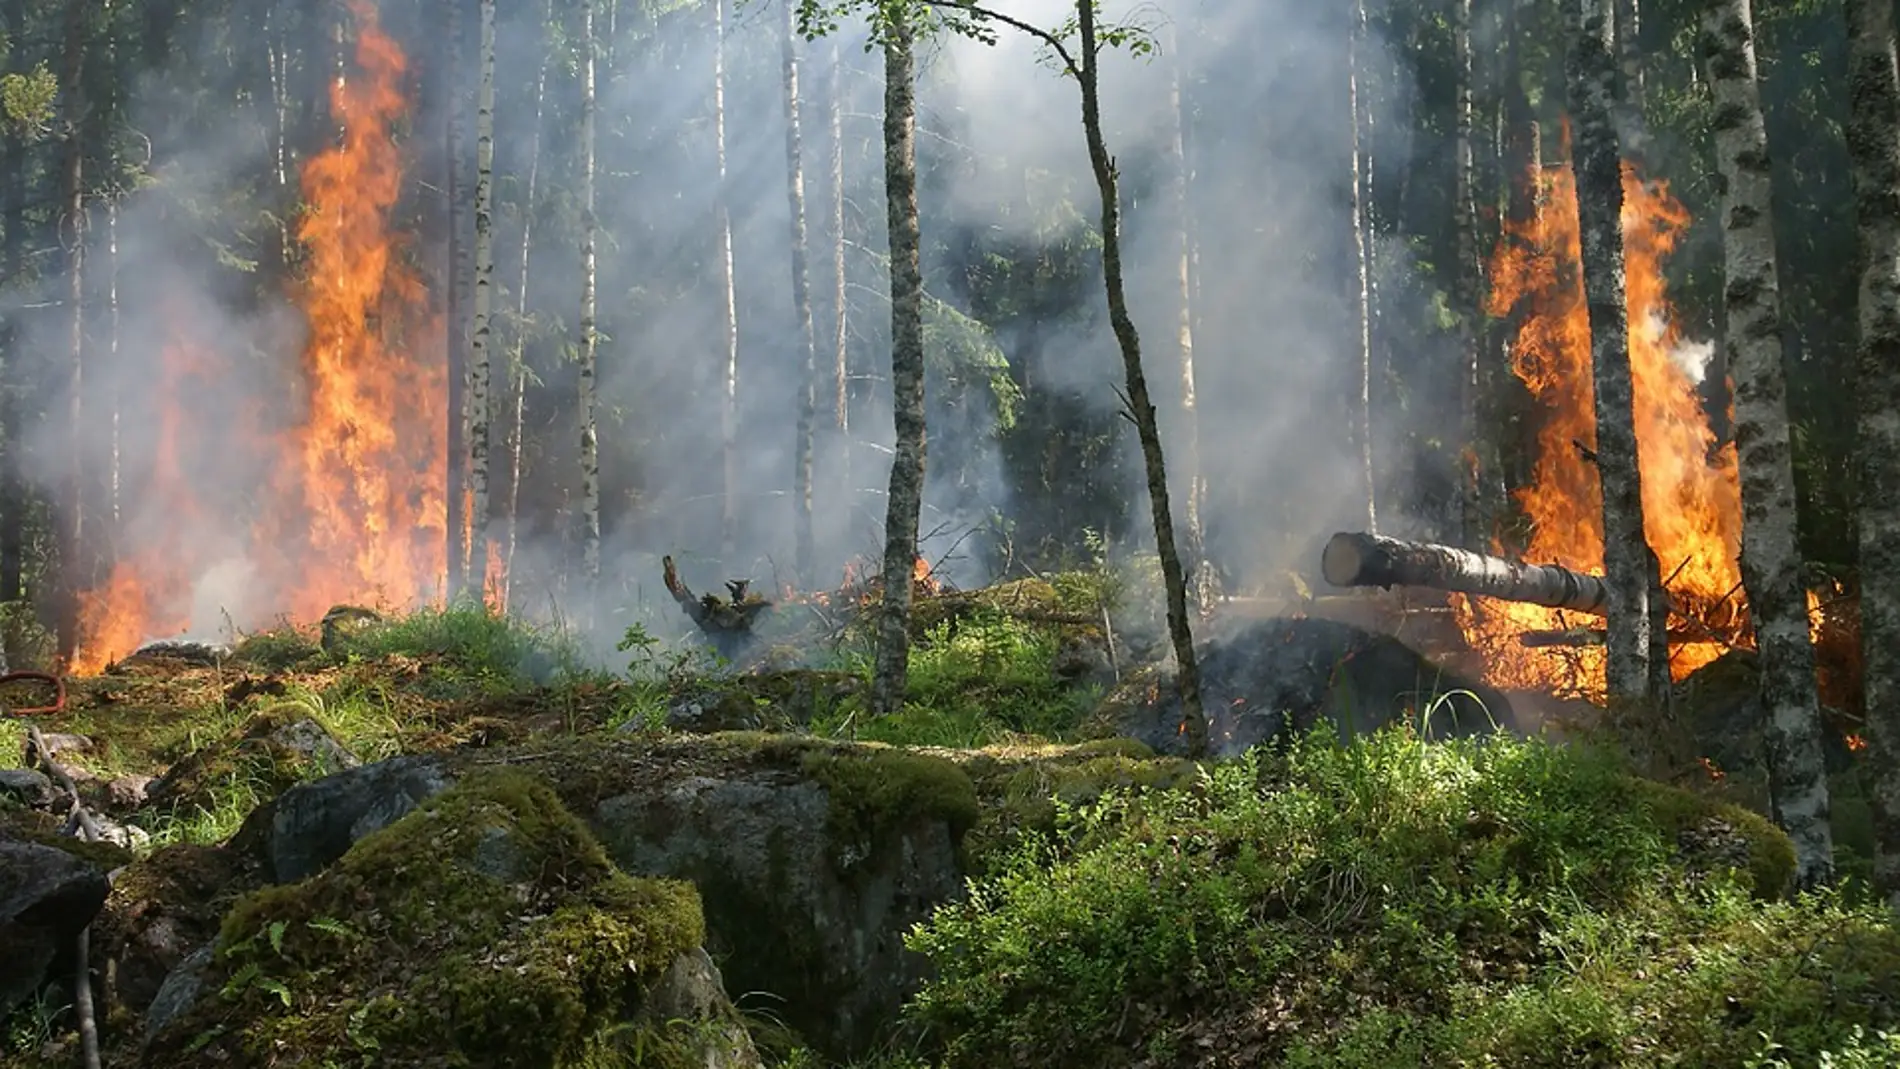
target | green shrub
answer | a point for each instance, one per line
(1388, 902)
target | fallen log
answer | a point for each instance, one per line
(1357, 559)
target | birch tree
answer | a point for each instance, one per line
(1873, 141)
(1771, 561)
(459, 268)
(589, 335)
(905, 500)
(74, 555)
(1362, 297)
(1181, 256)
(728, 305)
(1475, 462)
(480, 539)
(801, 305)
(518, 364)
(840, 327)
(1591, 73)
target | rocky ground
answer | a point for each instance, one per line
(431, 846)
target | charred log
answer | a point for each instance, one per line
(1358, 559)
(723, 620)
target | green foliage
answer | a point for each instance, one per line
(26, 101)
(977, 679)
(474, 645)
(1387, 903)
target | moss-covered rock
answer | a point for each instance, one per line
(488, 928)
(1713, 834)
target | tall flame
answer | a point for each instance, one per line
(1691, 496)
(354, 507)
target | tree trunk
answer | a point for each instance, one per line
(1205, 589)
(113, 401)
(1771, 558)
(518, 370)
(1591, 74)
(455, 337)
(1353, 559)
(1629, 56)
(840, 338)
(1477, 461)
(1362, 304)
(1187, 669)
(801, 307)
(729, 306)
(590, 337)
(74, 555)
(13, 495)
(1873, 141)
(905, 500)
(480, 537)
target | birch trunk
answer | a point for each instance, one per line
(729, 306)
(518, 365)
(1187, 668)
(480, 537)
(13, 498)
(1477, 461)
(114, 398)
(840, 337)
(801, 307)
(1362, 297)
(590, 337)
(905, 501)
(1205, 591)
(1771, 560)
(455, 338)
(1873, 141)
(1591, 77)
(73, 551)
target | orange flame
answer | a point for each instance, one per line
(1691, 496)
(922, 579)
(355, 508)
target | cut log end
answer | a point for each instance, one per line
(1345, 558)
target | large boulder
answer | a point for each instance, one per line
(313, 824)
(812, 860)
(1277, 677)
(48, 895)
(485, 928)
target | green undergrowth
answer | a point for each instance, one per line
(1390, 902)
(488, 928)
(978, 679)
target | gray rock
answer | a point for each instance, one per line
(58, 743)
(47, 897)
(28, 787)
(693, 990)
(792, 910)
(312, 824)
(1278, 677)
(179, 991)
(129, 792)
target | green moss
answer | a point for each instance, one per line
(875, 789)
(1771, 858)
(250, 759)
(1120, 746)
(487, 927)
(1020, 795)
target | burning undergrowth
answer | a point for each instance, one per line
(347, 500)
(1691, 492)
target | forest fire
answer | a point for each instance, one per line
(354, 506)
(1691, 496)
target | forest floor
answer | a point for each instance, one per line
(1382, 902)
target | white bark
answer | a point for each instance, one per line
(480, 536)
(804, 446)
(590, 336)
(1771, 559)
(729, 305)
(518, 368)
(1873, 141)
(1362, 402)
(1591, 75)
